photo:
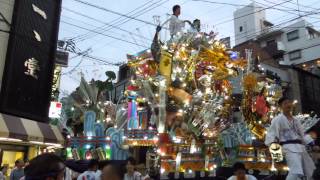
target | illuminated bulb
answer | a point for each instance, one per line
(186, 103)
(286, 168)
(88, 146)
(108, 138)
(211, 168)
(156, 138)
(295, 101)
(253, 138)
(107, 147)
(108, 119)
(273, 168)
(199, 93)
(215, 166)
(89, 137)
(115, 126)
(226, 97)
(184, 84)
(157, 95)
(190, 171)
(68, 136)
(163, 83)
(198, 35)
(162, 153)
(72, 109)
(135, 143)
(162, 170)
(124, 137)
(180, 111)
(260, 122)
(145, 137)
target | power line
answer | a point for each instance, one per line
(288, 9)
(102, 22)
(306, 6)
(117, 20)
(275, 26)
(4, 19)
(119, 23)
(80, 27)
(114, 12)
(226, 21)
(77, 53)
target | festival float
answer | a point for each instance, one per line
(180, 104)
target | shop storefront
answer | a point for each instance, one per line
(24, 139)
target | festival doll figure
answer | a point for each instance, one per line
(287, 131)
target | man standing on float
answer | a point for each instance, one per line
(288, 132)
(176, 25)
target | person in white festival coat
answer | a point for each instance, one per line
(175, 24)
(288, 132)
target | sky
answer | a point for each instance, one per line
(107, 32)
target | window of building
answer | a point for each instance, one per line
(293, 35)
(295, 55)
(271, 42)
(241, 28)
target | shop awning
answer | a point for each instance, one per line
(16, 128)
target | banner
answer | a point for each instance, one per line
(28, 71)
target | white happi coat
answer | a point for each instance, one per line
(298, 160)
(175, 25)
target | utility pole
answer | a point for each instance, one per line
(298, 8)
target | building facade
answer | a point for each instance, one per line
(122, 83)
(290, 53)
(28, 35)
(294, 44)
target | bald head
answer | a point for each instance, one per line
(111, 172)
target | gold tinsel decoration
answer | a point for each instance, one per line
(250, 82)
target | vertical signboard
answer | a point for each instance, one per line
(30, 57)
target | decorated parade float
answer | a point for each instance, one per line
(180, 103)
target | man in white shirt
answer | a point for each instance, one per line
(288, 132)
(90, 174)
(176, 24)
(239, 170)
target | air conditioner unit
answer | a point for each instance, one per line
(280, 46)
